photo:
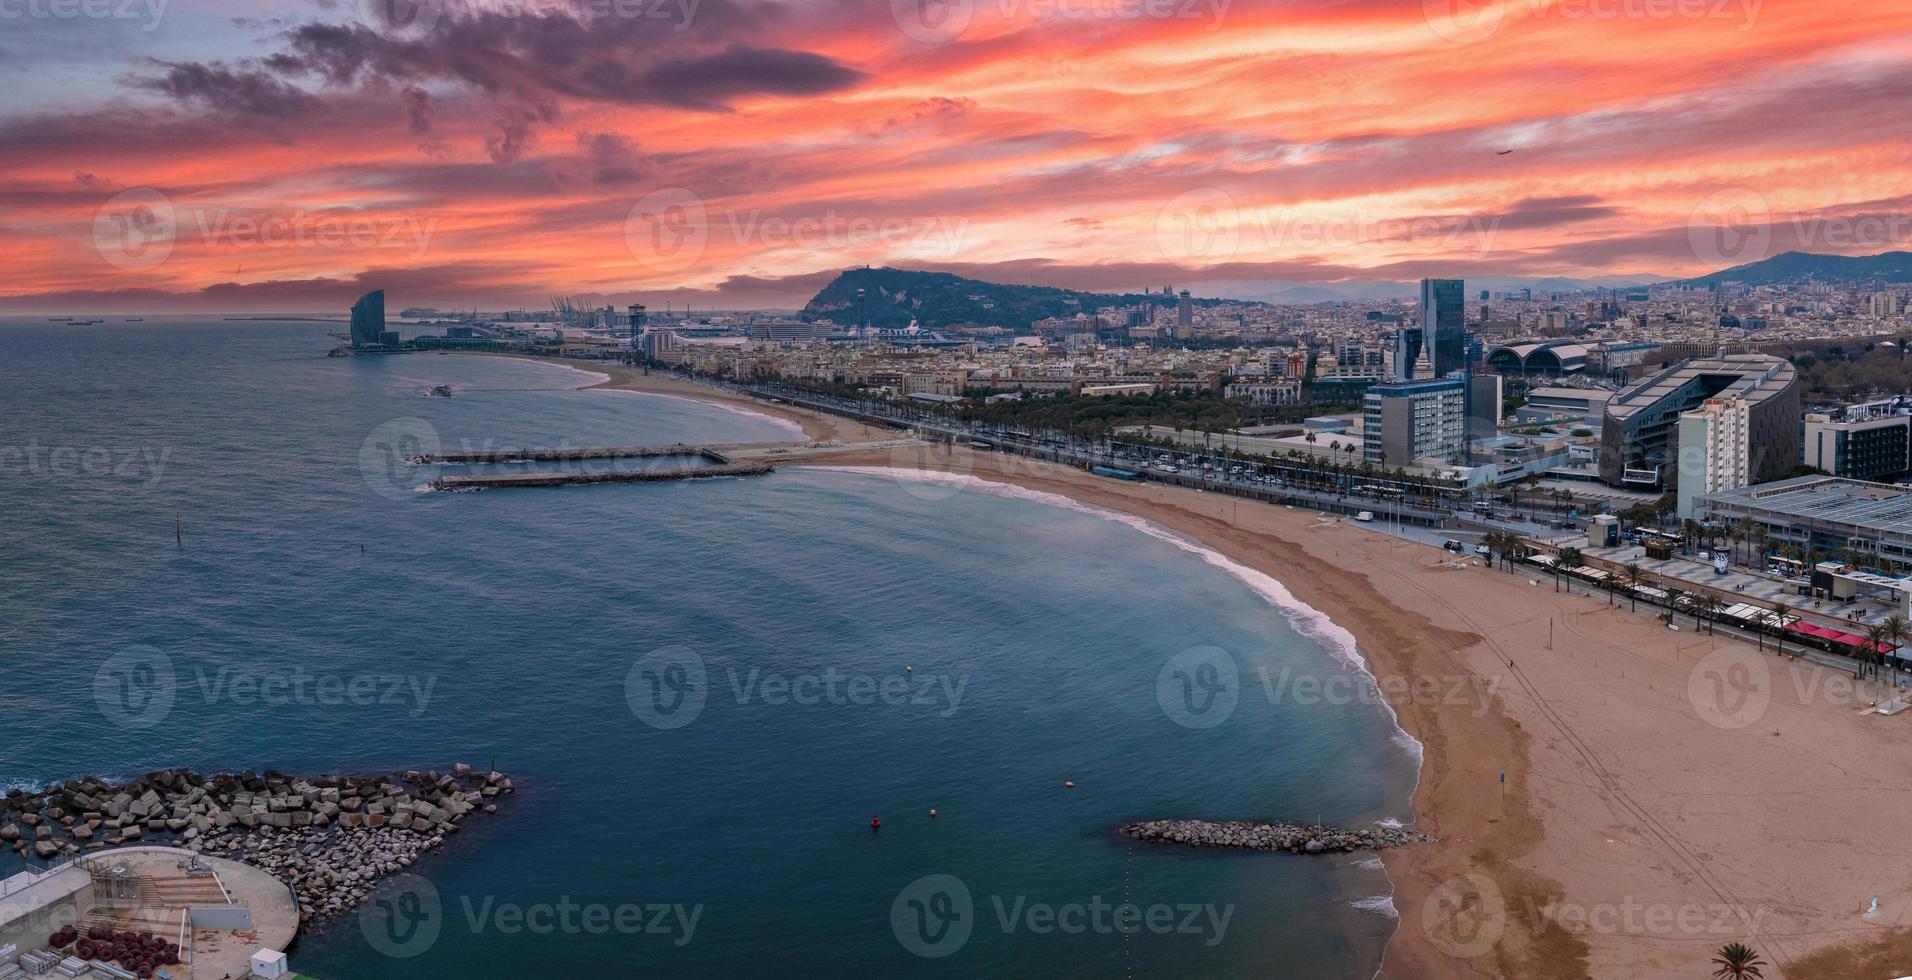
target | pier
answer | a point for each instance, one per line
(716, 462)
(711, 453)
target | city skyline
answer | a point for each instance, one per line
(183, 157)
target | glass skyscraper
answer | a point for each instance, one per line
(1444, 324)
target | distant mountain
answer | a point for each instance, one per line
(1793, 266)
(893, 297)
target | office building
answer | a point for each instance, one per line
(1414, 420)
(1859, 442)
(1185, 318)
(368, 319)
(1444, 325)
(1639, 435)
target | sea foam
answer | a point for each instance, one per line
(1306, 620)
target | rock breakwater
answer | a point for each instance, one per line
(1292, 837)
(330, 838)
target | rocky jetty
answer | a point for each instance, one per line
(330, 838)
(1292, 837)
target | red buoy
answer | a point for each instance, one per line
(876, 823)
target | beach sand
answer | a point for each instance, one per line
(1665, 792)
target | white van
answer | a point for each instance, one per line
(1366, 515)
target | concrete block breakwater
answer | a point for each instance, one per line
(573, 453)
(1292, 837)
(330, 838)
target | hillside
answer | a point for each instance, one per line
(939, 299)
(1794, 266)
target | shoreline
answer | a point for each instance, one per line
(1573, 766)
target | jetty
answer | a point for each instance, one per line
(1292, 837)
(715, 462)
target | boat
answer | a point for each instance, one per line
(439, 391)
(339, 351)
(135, 319)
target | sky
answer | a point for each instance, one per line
(286, 155)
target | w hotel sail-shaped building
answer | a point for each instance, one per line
(368, 319)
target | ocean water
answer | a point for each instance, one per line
(215, 554)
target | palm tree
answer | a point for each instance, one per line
(1703, 606)
(1778, 619)
(1749, 530)
(1635, 575)
(1875, 638)
(1566, 560)
(1894, 630)
(1689, 532)
(1737, 961)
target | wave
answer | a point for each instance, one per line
(1306, 620)
(1379, 904)
(782, 423)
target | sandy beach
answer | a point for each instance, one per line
(1665, 792)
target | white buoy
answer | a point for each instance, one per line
(932, 813)
(907, 669)
(1068, 784)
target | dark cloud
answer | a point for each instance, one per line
(539, 59)
(711, 82)
(246, 91)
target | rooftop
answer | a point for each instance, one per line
(1754, 377)
(1880, 506)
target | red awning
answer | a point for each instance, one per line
(1837, 636)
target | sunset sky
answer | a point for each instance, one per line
(258, 155)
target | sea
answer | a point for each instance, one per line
(218, 552)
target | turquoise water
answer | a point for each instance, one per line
(866, 645)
